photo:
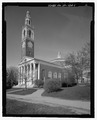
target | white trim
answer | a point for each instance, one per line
(41, 62)
(27, 62)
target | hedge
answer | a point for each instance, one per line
(39, 83)
(52, 85)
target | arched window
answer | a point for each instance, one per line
(29, 22)
(29, 33)
(59, 75)
(49, 74)
(55, 75)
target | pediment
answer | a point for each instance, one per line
(25, 59)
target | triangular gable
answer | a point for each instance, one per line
(25, 59)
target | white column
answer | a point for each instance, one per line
(38, 70)
(30, 70)
(34, 67)
(23, 74)
(19, 75)
(27, 71)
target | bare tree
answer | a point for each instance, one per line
(84, 56)
(11, 76)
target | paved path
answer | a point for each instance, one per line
(79, 107)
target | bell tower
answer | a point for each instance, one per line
(27, 43)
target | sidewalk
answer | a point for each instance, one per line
(78, 106)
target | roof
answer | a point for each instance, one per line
(41, 61)
(58, 59)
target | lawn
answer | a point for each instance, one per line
(12, 89)
(14, 107)
(24, 92)
(71, 93)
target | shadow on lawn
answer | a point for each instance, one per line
(73, 93)
(24, 91)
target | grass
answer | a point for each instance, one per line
(72, 93)
(14, 107)
(24, 92)
(12, 89)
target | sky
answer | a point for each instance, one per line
(64, 29)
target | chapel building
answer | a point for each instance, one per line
(36, 68)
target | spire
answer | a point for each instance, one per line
(28, 19)
(59, 55)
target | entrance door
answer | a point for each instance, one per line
(43, 74)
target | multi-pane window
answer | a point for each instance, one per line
(55, 75)
(49, 74)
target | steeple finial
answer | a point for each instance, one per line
(59, 55)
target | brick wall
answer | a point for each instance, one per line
(46, 69)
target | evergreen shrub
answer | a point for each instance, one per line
(52, 85)
(39, 83)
